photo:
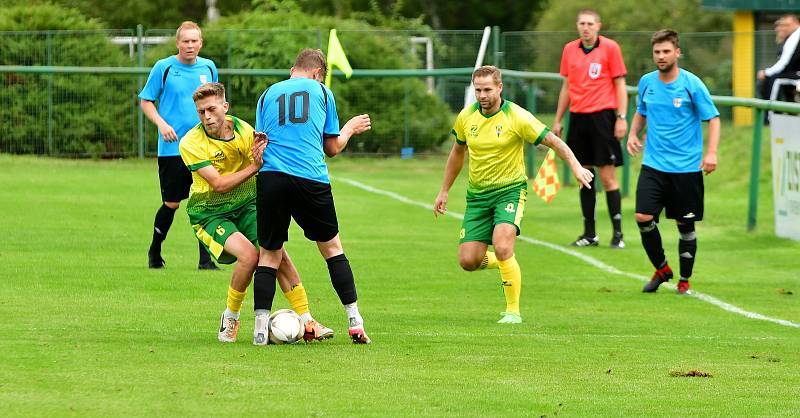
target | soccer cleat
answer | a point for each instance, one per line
(617, 241)
(208, 265)
(154, 261)
(660, 276)
(683, 287)
(261, 332)
(358, 335)
(228, 329)
(585, 241)
(510, 318)
(316, 331)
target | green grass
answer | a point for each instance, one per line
(88, 330)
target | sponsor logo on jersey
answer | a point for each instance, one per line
(595, 69)
(677, 102)
(203, 79)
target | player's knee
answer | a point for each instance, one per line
(609, 183)
(643, 217)
(503, 252)
(172, 205)
(248, 258)
(468, 262)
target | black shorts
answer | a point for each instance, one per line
(680, 193)
(591, 138)
(281, 197)
(175, 179)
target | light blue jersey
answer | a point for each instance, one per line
(674, 111)
(297, 114)
(172, 83)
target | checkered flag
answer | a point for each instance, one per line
(546, 183)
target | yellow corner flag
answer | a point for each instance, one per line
(546, 183)
(336, 57)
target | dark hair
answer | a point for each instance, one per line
(311, 59)
(208, 90)
(666, 35)
(488, 70)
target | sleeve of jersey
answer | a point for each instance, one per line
(152, 89)
(703, 103)
(458, 129)
(564, 69)
(616, 63)
(331, 128)
(248, 138)
(191, 155)
(214, 72)
(530, 129)
(641, 108)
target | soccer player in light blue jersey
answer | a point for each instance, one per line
(672, 104)
(299, 117)
(171, 82)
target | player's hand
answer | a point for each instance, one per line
(620, 128)
(359, 124)
(634, 145)
(557, 128)
(167, 132)
(260, 142)
(583, 176)
(761, 74)
(709, 163)
(440, 205)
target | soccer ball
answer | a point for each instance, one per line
(285, 327)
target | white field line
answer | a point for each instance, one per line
(587, 259)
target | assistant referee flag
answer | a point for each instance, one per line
(546, 183)
(336, 57)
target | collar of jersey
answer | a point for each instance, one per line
(503, 106)
(596, 44)
(235, 121)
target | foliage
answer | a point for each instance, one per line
(92, 120)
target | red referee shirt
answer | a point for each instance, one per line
(591, 76)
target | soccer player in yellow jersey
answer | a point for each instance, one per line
(223, 154)
(493, 131)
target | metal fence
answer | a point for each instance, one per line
(96, 113)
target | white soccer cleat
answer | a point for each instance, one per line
(510, 318)
(228, 329)
(261, 331)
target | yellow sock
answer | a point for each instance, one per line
(511, 276)
(235, 299)
(298, 299)
(489, 261)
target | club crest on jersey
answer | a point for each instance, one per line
(498, 129)
(218, 155)
(473, 130)
(595, 69)
(677, 102)
(203, 79)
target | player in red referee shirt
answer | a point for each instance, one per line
(594, 90)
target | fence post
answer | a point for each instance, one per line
(496, 45)
(530, 150)
(140, 83)
(49, 42)
(755, 168)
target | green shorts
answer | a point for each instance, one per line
(485, 210)
(215, 230)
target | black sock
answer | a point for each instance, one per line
(651, 240)
(614, 202)
(687, 248)
(205, 257)
(163, 221)
(264, 287)
(342, 279)
(588, 201)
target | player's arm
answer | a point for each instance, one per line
(709, 163)
(226, 183)
(333, 145)
(555, 143)
(455, 162)
(621, 125)
(634, 144)
(149, 110)
(561, 108)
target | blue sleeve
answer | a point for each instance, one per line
(702, 101)
(152, 89)
(331, 127)
(641, 108)
(215, 72)
(259, 110)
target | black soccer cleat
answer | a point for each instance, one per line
(208, 265)
(586, 241)
(154, 261)
(661, 275)
(617, 242)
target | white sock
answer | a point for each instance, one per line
(229, 314)
(353, 315)
(262, 312)
(306, 317)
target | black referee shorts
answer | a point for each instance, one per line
(175, 179)
(680, 193)
(281, 197)
(591, 138)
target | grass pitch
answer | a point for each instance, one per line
(88, 330)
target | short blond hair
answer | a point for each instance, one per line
(589, 12)
(188, 25)
(311, 59)
(209, 90)
(488, 70)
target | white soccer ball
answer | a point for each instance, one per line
(285, 327)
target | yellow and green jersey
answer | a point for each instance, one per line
(495, 144)
(199, 149)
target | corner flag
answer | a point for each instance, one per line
(336, 57)
(546, 183)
